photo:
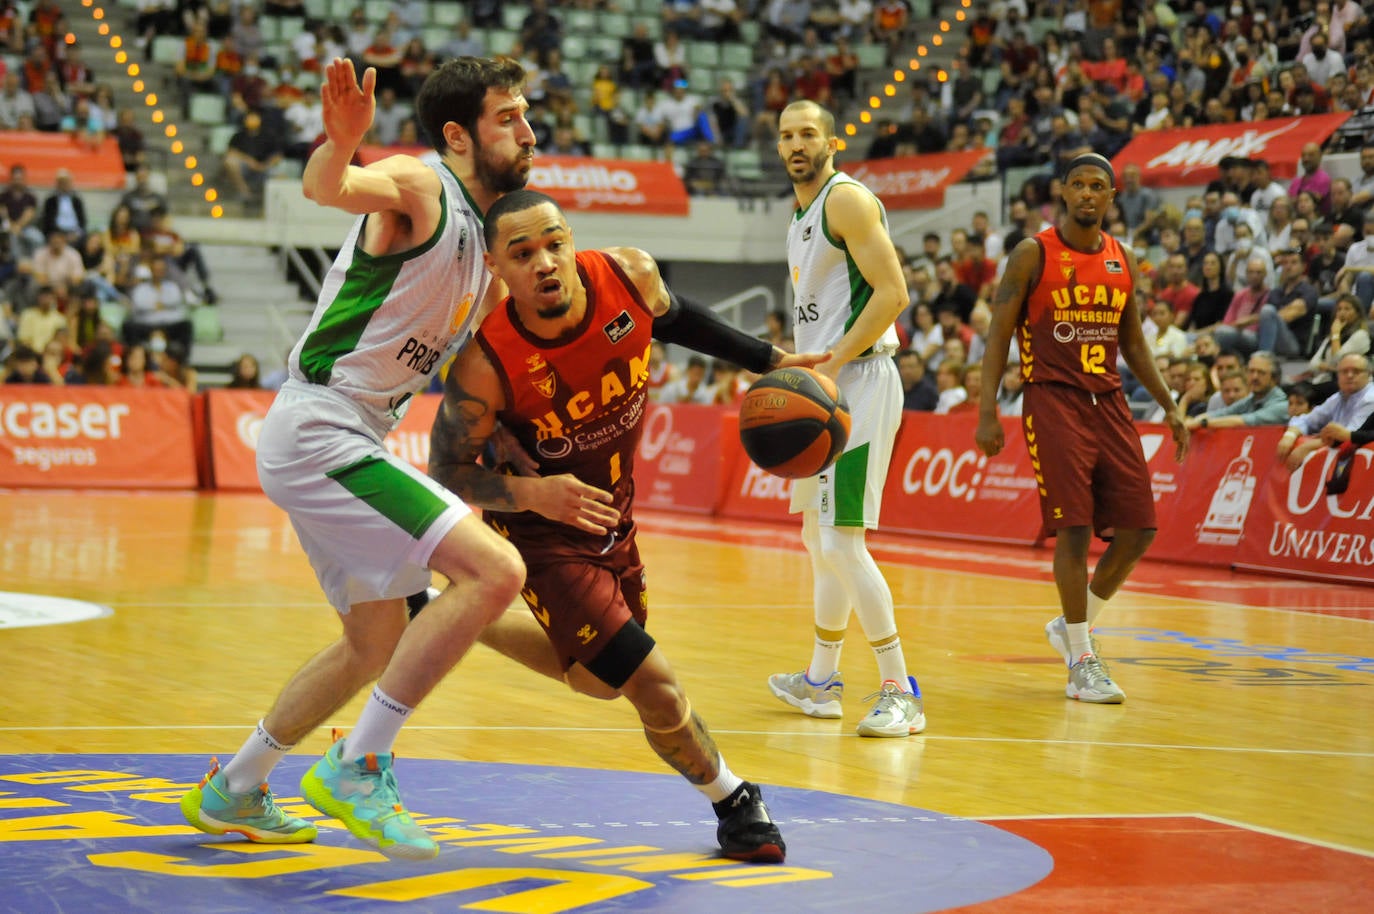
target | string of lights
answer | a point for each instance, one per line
(150, 99)
(875, 102)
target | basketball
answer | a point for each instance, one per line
(793, 422)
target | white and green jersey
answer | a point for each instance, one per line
(384, 324)
(829, 293)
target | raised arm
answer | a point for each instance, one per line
(1023, 269)
(400, 184)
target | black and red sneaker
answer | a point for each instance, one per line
(746, 831)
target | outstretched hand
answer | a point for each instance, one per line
(347, 107)
(569, 500)
(815, 360)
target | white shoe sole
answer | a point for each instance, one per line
(1096, 698)
(911, 729)
(828, 711)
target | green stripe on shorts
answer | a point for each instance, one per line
(851, 483)
(392, 493)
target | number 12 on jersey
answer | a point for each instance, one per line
(1094, 357)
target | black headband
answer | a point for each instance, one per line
(1094, 160)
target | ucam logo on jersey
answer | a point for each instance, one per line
(1188, 156)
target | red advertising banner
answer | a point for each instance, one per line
(940, 483)
(235, 419)
(97, 437)
(680, 463)
(750, 493)
(43, 154)
(593, 185)
(1205, 503)
(1295, 527)
(1191, 155)
(915, 182)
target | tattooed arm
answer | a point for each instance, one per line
(466, 419)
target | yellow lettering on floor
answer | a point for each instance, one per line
(661, 863)
(603, 852)
(70, 776)
(477, 831)
(10, 801)
(745, 876)
(285, 860)
(78, 826)
(568, 891)
(136, 784)
(531, 845)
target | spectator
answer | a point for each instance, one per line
(1301, 397)
(306, 119)
(50, 104)
(670, 58)
(251, 155)
(727, 383)
(1266, 404)
(84, 322)
(195, 71)
(651, 121)
(59, 265)
(21, 213)
(157, 307)
(462, 43)
(1357, 274)
(951, 295)
(918, 388)
(1266, 190)
(132, 148)
(567, 143)
(40, 323)
(135, 370)
(142, 200)
(1279, 229)
(949, 382)
(174, 370)
(1286, 320)
(1348, 408)
(1009, 394)
(1239, 328)
(704, 173)
(638, 64)
(1349, 336)
(731, 116)
(1344, 217)
(97, 367)
(182, 257)
(64, 209)
(1243, 250)
(388, 117)
(1140, 205)
(661, 371)
(1312, 177)
(1212, 300)
(1362, 194)
(23, 368)
(691, 387)
(1175, 287)
(1197, 389)
(1322, 61)
(1162, 334)
(245, 373)
(541, 31)
(16, 104)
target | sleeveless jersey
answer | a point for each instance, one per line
(828, 291)
(383, 324)
(577, 402)
(1068, 329)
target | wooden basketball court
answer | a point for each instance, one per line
(1240, 770)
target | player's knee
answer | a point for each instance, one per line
(842, 547)
(500, 578)
(662, 706)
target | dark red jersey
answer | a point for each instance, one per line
(576, 403)
(1068, 329)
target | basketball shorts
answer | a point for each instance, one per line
(1087, 459)
(368, 521)
(850, 492)
(584, 601)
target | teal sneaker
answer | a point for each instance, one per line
(212, 808)
(362, 795)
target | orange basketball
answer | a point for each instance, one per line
(793, 422)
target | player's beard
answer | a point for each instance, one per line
(497, 176)
(554, 312)
(806, 177)
(1088, 221)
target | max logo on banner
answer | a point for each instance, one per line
(1206, 154)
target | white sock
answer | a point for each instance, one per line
(891, 663)
(825, 660)
(724, 784)
(377, 727)
(1079, 640)
(1095, 606)
(254, 762)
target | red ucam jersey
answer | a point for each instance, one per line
(576, 403)
(1068, 329)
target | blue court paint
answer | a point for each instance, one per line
(102, 833)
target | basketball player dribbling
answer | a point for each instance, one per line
(849, 289)
(1068, 293)
(408, 282)
(564, 366)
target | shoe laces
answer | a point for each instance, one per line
(886, 695)
(1092, 668)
